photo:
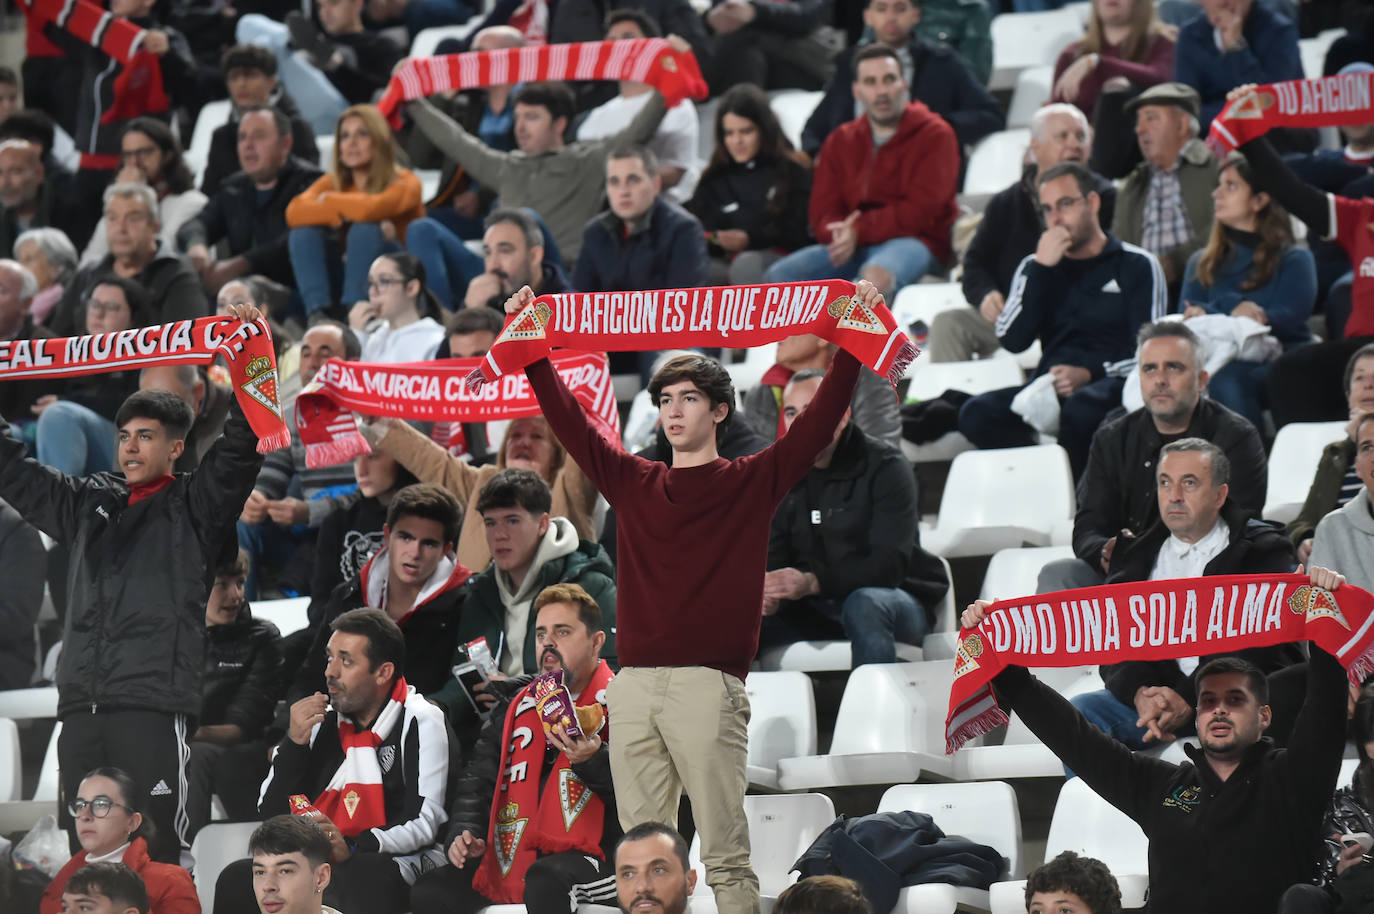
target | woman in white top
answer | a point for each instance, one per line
(150, 154)
(396, 323)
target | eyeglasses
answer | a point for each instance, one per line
(106, 307)
(1062, 205)
(100, 807)
(142, 152)
(384, 282)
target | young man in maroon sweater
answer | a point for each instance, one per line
(693, 547)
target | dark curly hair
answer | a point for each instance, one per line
(1085, 877)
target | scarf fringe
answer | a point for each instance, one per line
(906, 354)
(476, 379)
(986, 722)
(1362, 666)
(338, 450)
(274, 442)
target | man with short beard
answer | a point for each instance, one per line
(513, 254)
(1116, 494)
(1083, 294)
(653, 875)
(560, 782)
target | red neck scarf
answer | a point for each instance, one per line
(432, 392)
(354, 799)
(1152, 620)
(1328, 101)
(735, 316)
(525, 822)
(644, 60)
(246, 348)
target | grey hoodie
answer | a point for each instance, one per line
(1344, 541)
(559, 540)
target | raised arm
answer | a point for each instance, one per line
(485, 164)
(427, 460)
(793, 454)
(47, 499)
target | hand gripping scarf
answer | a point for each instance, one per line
(1152, 620)
(430, 392)
(645, 60)
(735, 316)
(1328, 101)
(247, 348)
(527, 822)
(353, 799)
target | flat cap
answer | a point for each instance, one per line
(1180, 95)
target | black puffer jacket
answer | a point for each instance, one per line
(242, 673)
(139, 574)
(471, 809)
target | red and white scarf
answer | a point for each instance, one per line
(527, 822)
(354, 800)
(246, 348)
(1327, 101)
(735, 316)
(432, 392)
(1152, 620)
(645, 60)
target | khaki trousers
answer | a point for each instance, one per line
(960, 334)
(676, 728)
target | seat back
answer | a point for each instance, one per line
(48, 786)
(1293, 462)
(930, 379)
(782, 717)
(781, 828)
(1088, 825)
(1022, 486)
(11, 765)
(894, 707)
(216, 846)
(921, 301)
(288, 615)
(1014, 572)
(1069, 681)
(1033, 87)
(996, 161)
(983, 811)
(793, 108)
(212, 116)
(1021, 40)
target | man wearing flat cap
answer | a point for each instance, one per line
(1165, 206)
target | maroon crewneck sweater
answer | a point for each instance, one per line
(693, 541)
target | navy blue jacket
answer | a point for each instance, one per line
(940, 79)
(669, 253)
(1084, 312)
(1270, 55)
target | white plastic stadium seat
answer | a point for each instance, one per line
(11, 765)
(1292, 464)
(890, 730)
(821, 656)
(995, 162)
(211, 116)
(782, 722)
(921, 301)
(1004, 498)
(985, 813)
(47, 788)
(1021, 754)
(1090, 826)
(216, 846)
(288, 615)
(426, 40)
(1313, 51)
(1033, 88)
(26, 704)
(793, 108)
(746, 374)
(1021, 40)
(930, 379)
(781, 828)
(1013, 572)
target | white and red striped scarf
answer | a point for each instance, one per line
(646, 60)
(1325, 101)
(353, 799)
(433, 392)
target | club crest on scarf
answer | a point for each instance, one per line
(350, 802)
(967, 654)
(261, 383)
(572, 795)
(852, 314)
(509, 830)
(1317, 603)
(1252, 107)
(529, 324)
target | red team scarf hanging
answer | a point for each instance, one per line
(246, 348)
(1152, 620)
(429, 392)
(734, 316)
(525, 822)
(353, 800)
(646, 60)
(1328, 101)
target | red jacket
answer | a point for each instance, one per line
(170, 889)
(903, 189)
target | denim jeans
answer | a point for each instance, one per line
(874, 619)
(449, 265)
(906, 259)
(267, 542)
(321, 266)
(1239, 386)
(428, 14)
(319, 101)
(76, 440)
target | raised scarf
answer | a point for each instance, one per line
(644, 60)
(430, 392)
(246, 348)
(1327, 101)
(734, 316)
(354, 800)
(527, 822)
(1152, 620)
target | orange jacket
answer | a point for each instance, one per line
(323, 204)
(170, 889)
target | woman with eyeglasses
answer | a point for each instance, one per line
(396, 323)
(358, 209)
(111, 829)
(150, 154)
